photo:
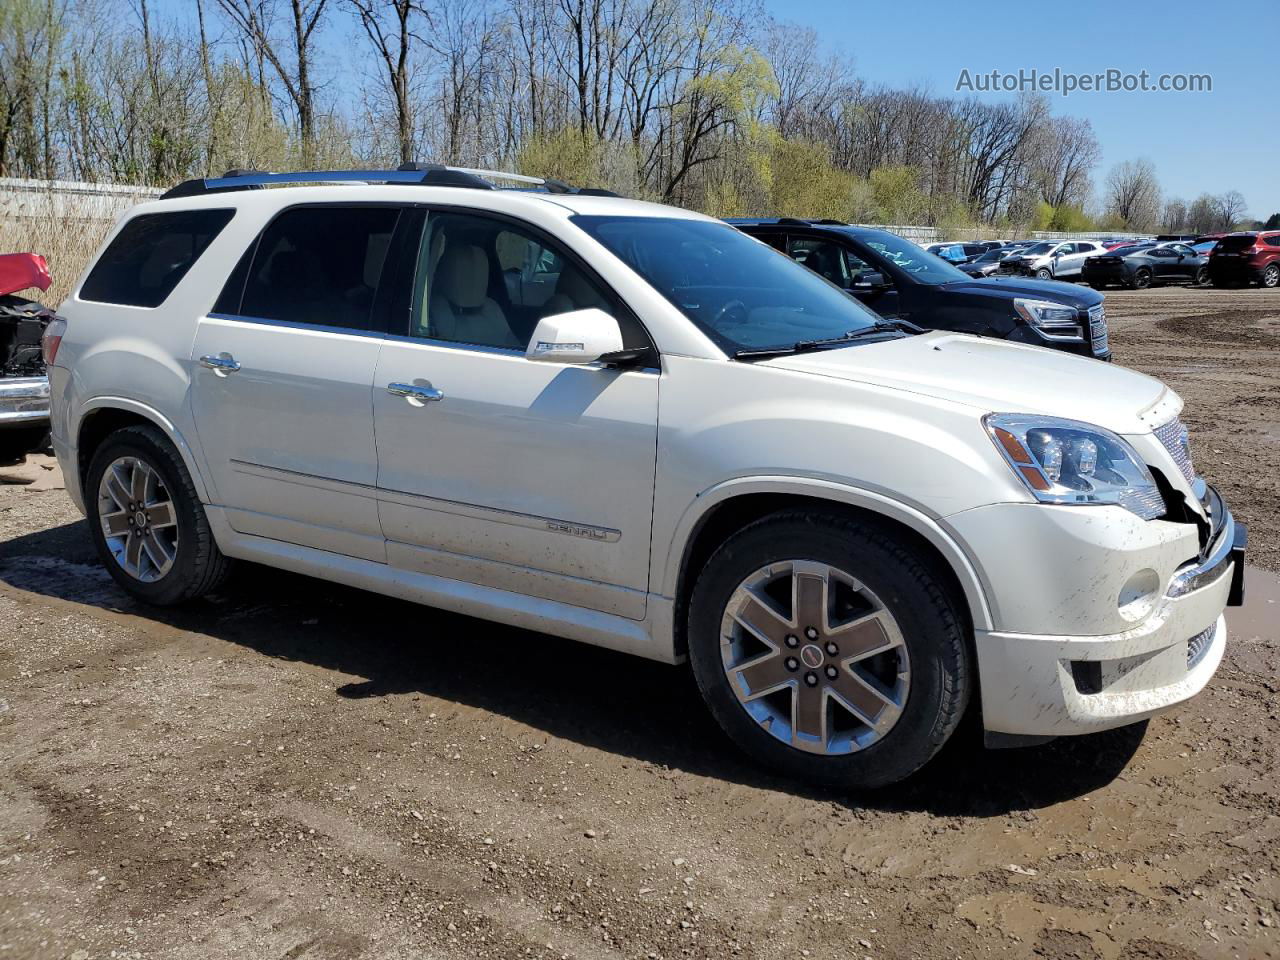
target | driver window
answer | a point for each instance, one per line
(487, 282)
(823, 257)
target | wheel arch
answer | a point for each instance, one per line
(729, 507)
(102, 416)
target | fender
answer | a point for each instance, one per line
(156, 417)
(957, 558)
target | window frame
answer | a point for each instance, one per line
(378, 319)
(398, 328)
(80, 291)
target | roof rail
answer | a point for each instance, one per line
(423, 174)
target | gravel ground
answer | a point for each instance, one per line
(295, 770)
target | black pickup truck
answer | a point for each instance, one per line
(896, 278)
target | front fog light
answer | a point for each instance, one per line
(1072, 463)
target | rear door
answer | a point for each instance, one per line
(282, 372)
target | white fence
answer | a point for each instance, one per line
(68, 200)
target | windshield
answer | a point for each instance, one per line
(923, 266)
(992, 255)
(742, 293)
(1038, 249)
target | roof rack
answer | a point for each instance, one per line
(422, 174)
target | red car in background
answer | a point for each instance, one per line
(1249, 257)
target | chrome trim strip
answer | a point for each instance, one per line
(295, 325)
(456, 507)
(1218, 564)
(24, 388)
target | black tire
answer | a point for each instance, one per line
(198, 566)
(1270, 276)
(906, 581)
(1141, 280)
(1201, 278)
(1044, 273)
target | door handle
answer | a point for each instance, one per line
(420, 392)
(222, 364)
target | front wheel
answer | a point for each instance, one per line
(147, 521)
(1202, 277)
(1044, 273)
(829, 649)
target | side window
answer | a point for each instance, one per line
(320, 266)
(487, 282)
(1274, 240)
(822, 257)
(150, 255)
(1066, 248)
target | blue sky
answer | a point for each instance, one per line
(1200, 142)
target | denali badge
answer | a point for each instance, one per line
(578, 530)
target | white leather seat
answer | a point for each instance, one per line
(460, 309)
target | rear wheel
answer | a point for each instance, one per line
(147, 521)
(1271, 276)
(1141, 280)
(828, 650)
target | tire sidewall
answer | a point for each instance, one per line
(1272, 270)
(918, 733)
(144, 445)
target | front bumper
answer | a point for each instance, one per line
(24, 402)
(1048, 685)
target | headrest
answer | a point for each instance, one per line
(574, 285)
(463, 276)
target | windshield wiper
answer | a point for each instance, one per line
(849, 336)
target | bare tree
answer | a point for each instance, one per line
(1231, 207)
(290, 56)
(1133, 193)
(389, 25)
(1066, 152)
(1174, 217)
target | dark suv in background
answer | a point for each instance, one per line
(898, 279)
(1240, 258)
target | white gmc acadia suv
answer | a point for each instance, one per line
(637, 427)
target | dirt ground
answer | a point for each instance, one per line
(295, 770)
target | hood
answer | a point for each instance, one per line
(1010, 287)
(995, 376)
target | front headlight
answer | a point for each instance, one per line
(1054, 320)
(1068, 462)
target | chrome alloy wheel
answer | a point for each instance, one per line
(815, 657)
(139, 519)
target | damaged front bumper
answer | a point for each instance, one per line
(24, 402)
(1162, 630)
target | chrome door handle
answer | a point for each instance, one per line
(410, 391)
(222, 364)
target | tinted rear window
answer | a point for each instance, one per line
(320, 266)
(150, 255)
(1236, 243)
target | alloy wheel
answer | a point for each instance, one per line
(815, 657)
(1141, 280)
(139, 519)
(1271, 276)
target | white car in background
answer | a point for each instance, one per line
(635, 426)
(1050, 259)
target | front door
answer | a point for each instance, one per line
(281, 382)
(526, 476)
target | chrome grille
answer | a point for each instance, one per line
(1098, 329)
(1173, 436)
(1199, 645)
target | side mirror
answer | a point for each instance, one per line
(577, 337)
(871, 281)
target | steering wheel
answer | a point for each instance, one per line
(734, 311)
